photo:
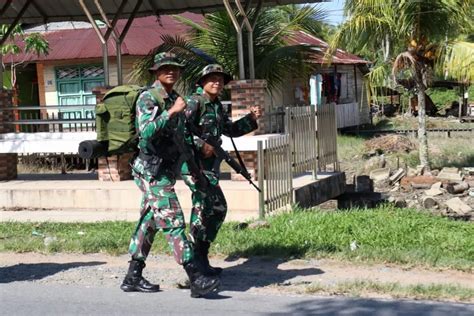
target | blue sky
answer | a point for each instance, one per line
(334, 11)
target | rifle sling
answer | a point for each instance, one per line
(237, 153)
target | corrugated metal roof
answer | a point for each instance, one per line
(68, 10)
(144, 35)
(339, 57)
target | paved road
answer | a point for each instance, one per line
(29, 298)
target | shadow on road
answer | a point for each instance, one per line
(358, 306)
(260, 272)
(37, 271)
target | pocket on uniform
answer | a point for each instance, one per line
(168, 213)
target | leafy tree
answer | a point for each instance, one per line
(411, 40)
(21, 42)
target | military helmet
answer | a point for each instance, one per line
(163, 59)
(212, 69)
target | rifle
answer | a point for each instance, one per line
(187, 154)
(221, 154)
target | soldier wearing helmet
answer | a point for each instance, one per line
(206, 113)
(160, 122)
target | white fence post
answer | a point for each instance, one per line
(261, 177)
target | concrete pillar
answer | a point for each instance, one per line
(116, 167)
(42, 96)
(245, 94)
(8, 162)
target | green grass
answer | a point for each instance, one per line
(401, 122)
(396, 290)
(443, 97)
(456, 151)
(348, 146)
(385, 234)
(109, 237)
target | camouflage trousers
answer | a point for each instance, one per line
(209, 208)
(160, 209)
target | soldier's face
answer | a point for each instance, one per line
(168, 74)
(213, 84)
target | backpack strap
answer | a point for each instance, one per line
(157, 96)
(201, 103)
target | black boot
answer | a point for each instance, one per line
(134, 282)
(200, 284)
(201, 252)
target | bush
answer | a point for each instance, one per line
(443, 97)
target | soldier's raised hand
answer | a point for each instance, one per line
(256, 111)
(178, 106)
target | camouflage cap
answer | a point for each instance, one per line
(163, 59)
(213, 69)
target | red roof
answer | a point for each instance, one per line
(339, 57)
(144, 35)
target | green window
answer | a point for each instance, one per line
(74, 86)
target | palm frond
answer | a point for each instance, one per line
(378, 77)
(402, 62)
(308, 18)
(216, 39)
(284, 62)
(458, 62)
(190, 23)
(194, 59)
(364, 32)
(434, 20)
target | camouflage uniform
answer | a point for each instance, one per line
(210, 207)
(160, 207)
(162, 150)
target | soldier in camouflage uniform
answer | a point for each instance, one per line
(205, 112)
(160, 121)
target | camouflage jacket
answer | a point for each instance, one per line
(157, 130)
(210, 118)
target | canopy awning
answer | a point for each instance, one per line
(41, 11)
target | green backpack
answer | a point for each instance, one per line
(115, 123)
(115, 119)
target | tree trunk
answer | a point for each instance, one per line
(422, 134)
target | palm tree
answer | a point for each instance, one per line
(419, 34)
(215, 40)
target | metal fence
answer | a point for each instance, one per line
(300, 126)
(309, 144)
(274, 174)
(274, 121)
(53, 118)
(327, 136)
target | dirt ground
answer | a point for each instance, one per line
(240, 274)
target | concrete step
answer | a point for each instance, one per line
(70, 193)
(83, 194)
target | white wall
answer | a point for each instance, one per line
(347, 116)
